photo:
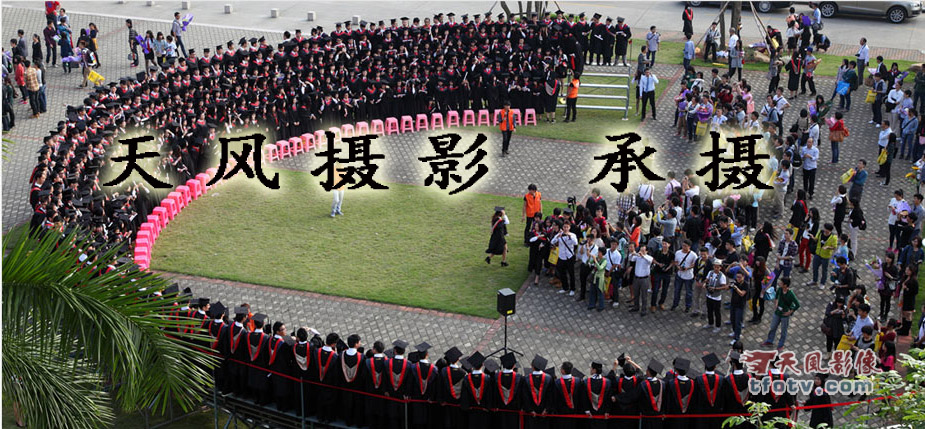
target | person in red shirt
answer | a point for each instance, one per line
(51, 11)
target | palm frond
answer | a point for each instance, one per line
(110, 324)
(7, 148)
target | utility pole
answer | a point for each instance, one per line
(736, 21)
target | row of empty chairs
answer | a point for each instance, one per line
(405, 124)
(169, 208)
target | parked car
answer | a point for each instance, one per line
(762, 6)
(894, 11)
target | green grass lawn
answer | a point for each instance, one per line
(672, 53)
(408, 245)
(592, 125)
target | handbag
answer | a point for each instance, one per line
(881, 159)
(130, 57)
(817, 26)
(871, 96)
(770, 294)
(826, 329)
(842, 88)
(869, 80)
(702, 128)
(921, 139)
(837, 136)
(846, 176)
(845, 343)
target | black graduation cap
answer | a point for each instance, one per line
(577, 374)
(508, 360)
(260, 317)
(476, 360)
(682, 364)
(404, 18)
(465, 16)
(557, 27)
(423, 347)
(491, 365)
(620, 19)
(363, 23)
(551, 371)
(389, 353)
(466, 364)
(400, 344)
(609, 19)
(598, 366)
(655, 366)
(240, 42)
(539, 362)
(735, 356)
(289, 340)
(171, 290)
(393, 20)
(499, 208)
(217, 310)
(596, 15)
(261, 39)
(478, 15)
(414, 357)
(581, 15)
(337, 25)
(487, 14)
(240, 311)
(451, 14)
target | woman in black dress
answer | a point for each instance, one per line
(794, 69)
(910, 288)
(497, 244)
(819, 397)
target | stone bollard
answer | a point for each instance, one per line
(274, 13)
(186, 5)
(311, 16)
(228, 9)
(355, 20)
(150, 2)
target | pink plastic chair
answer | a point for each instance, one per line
(484, 118)
(172, 209)
(530, 117)
(452, 118)
(187, 194)
(295, 143)
(195, 188)
(178, 197)
(143, 243)
(308, 140)
(517, 117)
(143, 262)
(362, 128)
(203, 178)
(154, 220)
(347, 130)
(284, 150)
(143, 252)
(146, 235)
(468, 118)
(337, 133)
(437, 121)
(378, 127)
(496, 118)
(422, 122)
(391, 126)
(271, 153)
(320, 139)
(407, 124)
(163, 215)
(150, 228)
(212, 171)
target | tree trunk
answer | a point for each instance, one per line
(507, 10)
(722, 25)
(736, 21)
(520, 9)
(529, 9)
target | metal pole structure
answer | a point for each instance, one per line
(722, 10)
(302, 401)
(406, 414)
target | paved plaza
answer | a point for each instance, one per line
(547, 323)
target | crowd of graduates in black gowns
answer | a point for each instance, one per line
(306, 83)
(331, 379)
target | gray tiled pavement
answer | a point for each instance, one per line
(546, 322)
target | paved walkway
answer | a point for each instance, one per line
(545, 323)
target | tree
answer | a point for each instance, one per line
(77, 342)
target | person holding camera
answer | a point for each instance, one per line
(715, 285)
(641, 278)
(565, 266)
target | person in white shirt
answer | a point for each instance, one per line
(646, 192)
(863, 56)
(894, 102)
(586, 252)
(647, 84)
(641, 279)
(862, 321)
(614, 267)
(780, 187)
(565, 267)
(891, 219)
(715, 285)
(810, 154)
(684, 260)
(672, 185)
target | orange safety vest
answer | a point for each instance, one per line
(507, 121)
(573, 89)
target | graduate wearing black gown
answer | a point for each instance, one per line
(649, 395)
(350, 375)
(231, 346)
(477, 394)
(450, 389)
(279, 359)
(322, 371)
(497, 244)
(595, 394)
(423, 381)
(538, 395)
(508, 384)
(735, 391)
(680, 395)
(258, 344)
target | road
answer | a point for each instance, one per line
(666, 15)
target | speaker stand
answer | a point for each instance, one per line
(505, 350)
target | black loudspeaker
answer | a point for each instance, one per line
(506, 302)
